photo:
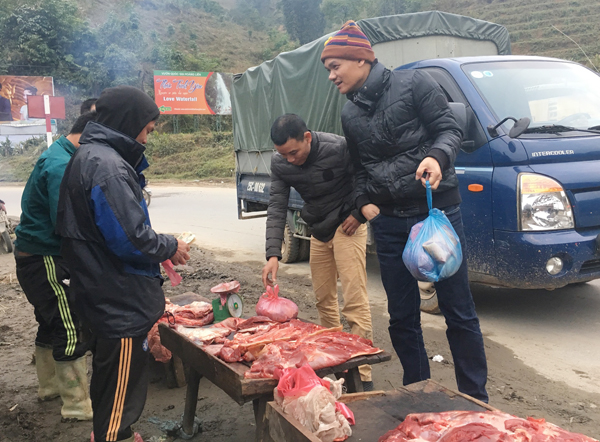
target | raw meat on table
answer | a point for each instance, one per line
(467, 426)
(205, 335)
(324, 348)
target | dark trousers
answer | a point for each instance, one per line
(41, 278)
(119, 385)
(455, 302)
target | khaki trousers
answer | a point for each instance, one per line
(344, 257)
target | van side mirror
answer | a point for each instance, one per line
(519, 127)
(460, 114)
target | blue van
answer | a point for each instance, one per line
(528, 168)
(528, 163)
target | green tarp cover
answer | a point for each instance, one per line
(296, 81)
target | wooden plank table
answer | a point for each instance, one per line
(377, 412)
(229, 377)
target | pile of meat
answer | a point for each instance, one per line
(271, 345)
(489, 426)
(196, 314)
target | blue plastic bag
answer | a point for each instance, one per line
(433, 250)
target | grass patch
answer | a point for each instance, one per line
(191, 156)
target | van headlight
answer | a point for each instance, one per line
(543, 204)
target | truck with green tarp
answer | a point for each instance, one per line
(296, 82)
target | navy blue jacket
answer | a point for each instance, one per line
(108, 243)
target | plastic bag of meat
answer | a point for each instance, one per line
(307, 397)
(276, 308)
(433, 252)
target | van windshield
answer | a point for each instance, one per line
(548, 92)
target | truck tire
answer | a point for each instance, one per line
(7, 244)
(429, 299)
(304, 252)
(290, 248)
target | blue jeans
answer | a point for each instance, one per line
(455, 302)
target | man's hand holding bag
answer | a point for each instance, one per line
(433, 250)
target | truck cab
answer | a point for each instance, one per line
(530, 190)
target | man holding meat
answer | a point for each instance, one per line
(399, 128)
(319, 167)
(114, 254)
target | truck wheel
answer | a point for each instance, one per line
(290, 247)
(304, 252)
(429, 299)
(7, 244)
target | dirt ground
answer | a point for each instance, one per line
(513, 387)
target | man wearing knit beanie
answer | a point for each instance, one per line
(401, 132)
(114, 254)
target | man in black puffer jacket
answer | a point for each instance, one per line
(400, 130)
(113, 255)
(319, 167)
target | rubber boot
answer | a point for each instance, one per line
(74, 391)
(44, 366)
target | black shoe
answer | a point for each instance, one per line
(367, 385)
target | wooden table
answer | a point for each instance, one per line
(376, 412)
(229, 377)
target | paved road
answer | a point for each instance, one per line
(555, 332)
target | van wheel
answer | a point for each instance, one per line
(304, 252)
(290, 247)
(429, 299)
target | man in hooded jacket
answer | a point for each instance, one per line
(401, 132)
(114, 255)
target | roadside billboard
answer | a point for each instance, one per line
(14, 91)
(193, 93)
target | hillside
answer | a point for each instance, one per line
(530, 24)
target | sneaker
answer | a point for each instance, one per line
(367, 385)
(136, 437)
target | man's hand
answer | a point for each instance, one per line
(369, 211)
(181, 256)
(434, 173)
(350, 225)
(270, 268)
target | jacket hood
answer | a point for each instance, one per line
(126, 109)
(127, 147)
(373, 88)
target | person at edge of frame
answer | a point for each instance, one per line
(114, 255)
(319, 167)
(400, 130)
(60, 360)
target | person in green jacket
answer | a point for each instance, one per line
(59, 353)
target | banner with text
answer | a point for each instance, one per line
(189, 93)
(14, 92)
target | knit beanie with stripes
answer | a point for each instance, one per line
(348, 43)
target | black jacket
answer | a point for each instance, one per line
(394, 121)
(108, 243)
(324, 182)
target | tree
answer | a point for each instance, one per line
(379, 8)
(303, 19)
(338, 12)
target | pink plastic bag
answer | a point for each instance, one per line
(295, 382)
(276, 308)
(346, 412)
(174, 277)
